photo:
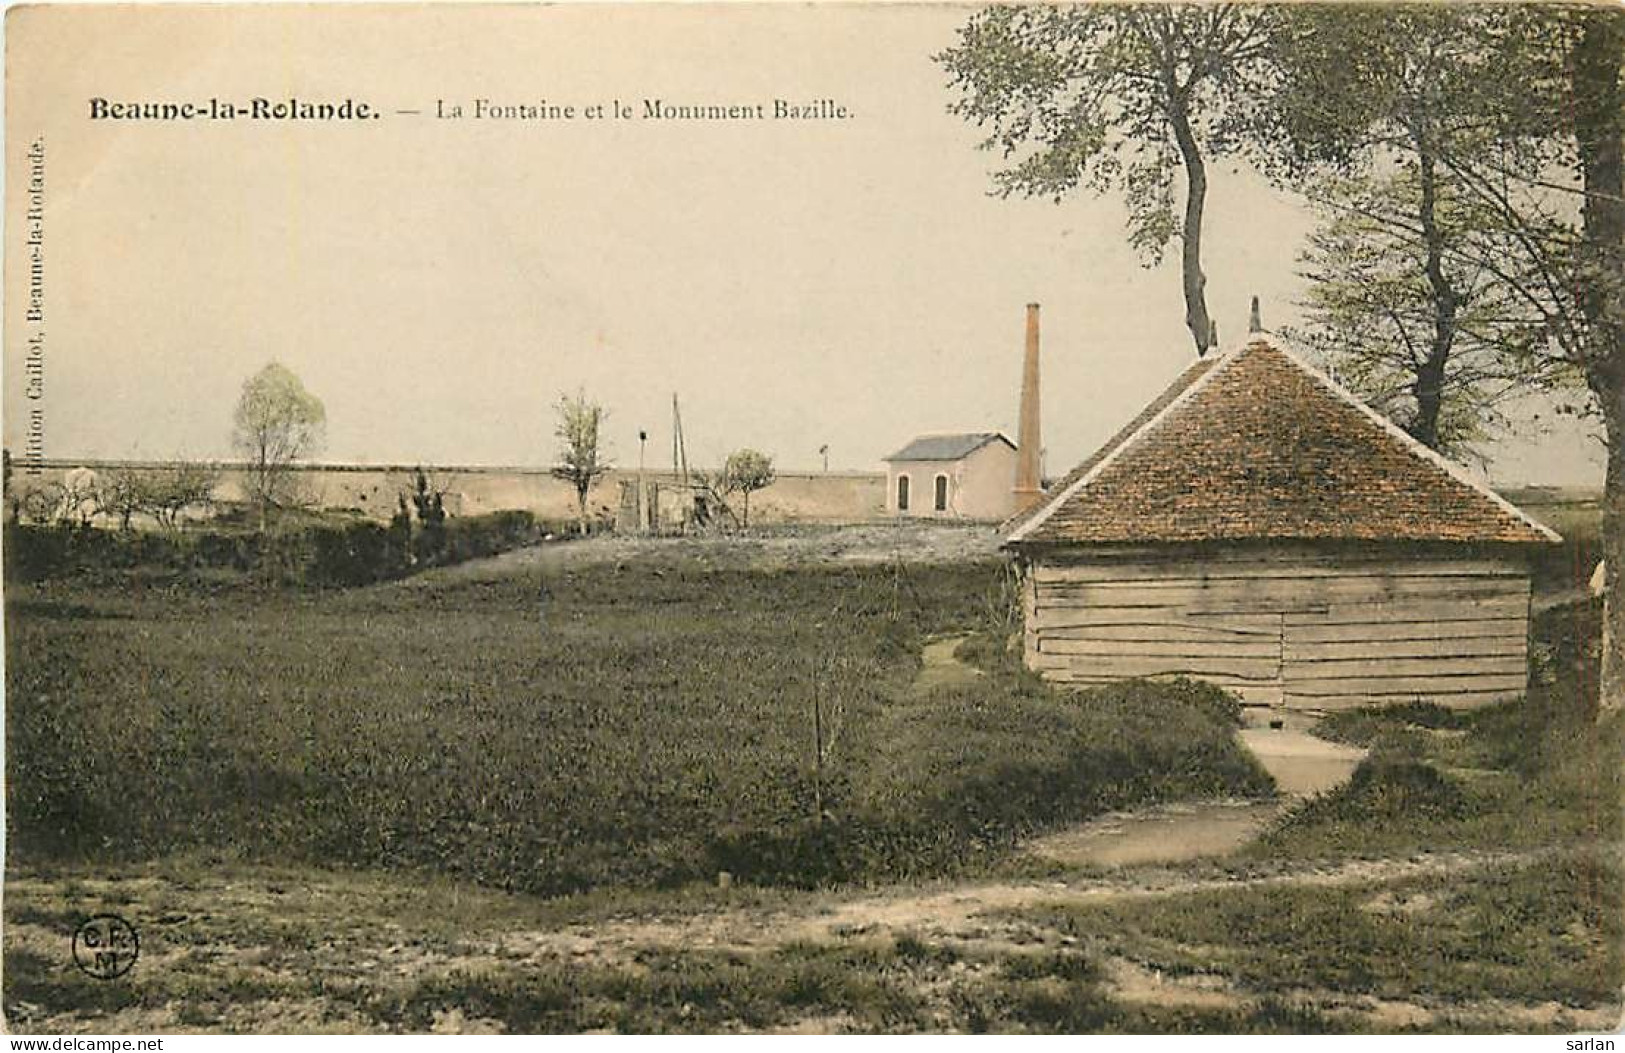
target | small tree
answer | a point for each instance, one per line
(174, 490)
(582, 452)
(430, 503)
(745, 472)
(164, 493)
(277, 422)
(41, 504)
(122, 494)
(78, 497)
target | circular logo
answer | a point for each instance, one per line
(105, 947)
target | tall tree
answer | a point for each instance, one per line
(1134, 98)
(1598, 104)
(582, 456)
(1527, 120)
(1396, 104)
(1427, 337)
(277, 422)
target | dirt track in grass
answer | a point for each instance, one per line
(282, 959)
(962, 914)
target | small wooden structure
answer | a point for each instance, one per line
(1258, 527)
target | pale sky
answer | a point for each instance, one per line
(439, 283)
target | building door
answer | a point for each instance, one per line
(902, 493)
(941, 497)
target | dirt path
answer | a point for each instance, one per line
(1300, 763)
(941, 667)
(975, 920)
(962, 914)
(273, 943)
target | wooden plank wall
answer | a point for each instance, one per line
(1300, 627)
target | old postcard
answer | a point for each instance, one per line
(829, 519)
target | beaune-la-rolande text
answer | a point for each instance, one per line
(215, 109)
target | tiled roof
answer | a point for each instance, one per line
(947, 447)
(1156, 406)
(1257, 445)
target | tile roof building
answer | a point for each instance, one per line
(1257, 526)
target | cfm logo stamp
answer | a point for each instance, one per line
(105, 947)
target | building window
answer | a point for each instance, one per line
(941, 496)
(902, 493)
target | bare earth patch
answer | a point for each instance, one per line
(1300, 763)
(221, 952)
(940, 667)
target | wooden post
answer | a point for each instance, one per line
(818, 749)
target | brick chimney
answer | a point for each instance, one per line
(1029, 440)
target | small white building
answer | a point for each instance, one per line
(961, 476)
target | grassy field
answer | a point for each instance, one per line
(558, 730)
(1540, 771)
(498, 798)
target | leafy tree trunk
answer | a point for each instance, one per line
(1197, 319)
(1428, 386)
(262, 484)
(1612, 680)
(1599, 116)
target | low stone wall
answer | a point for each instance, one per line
(796, 497)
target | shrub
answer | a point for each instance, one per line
(239, 551)
(475, 537)
(319, 554)
(1364, 726)
(962, 774)
(355, 554)
(1387, 787)
(1387, 791)
(34, 553)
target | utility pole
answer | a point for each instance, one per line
(679, 462)
(679, 449)
(643, 490)
(818, 752)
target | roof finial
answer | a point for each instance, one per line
(1254, 323)
(1212, 333)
